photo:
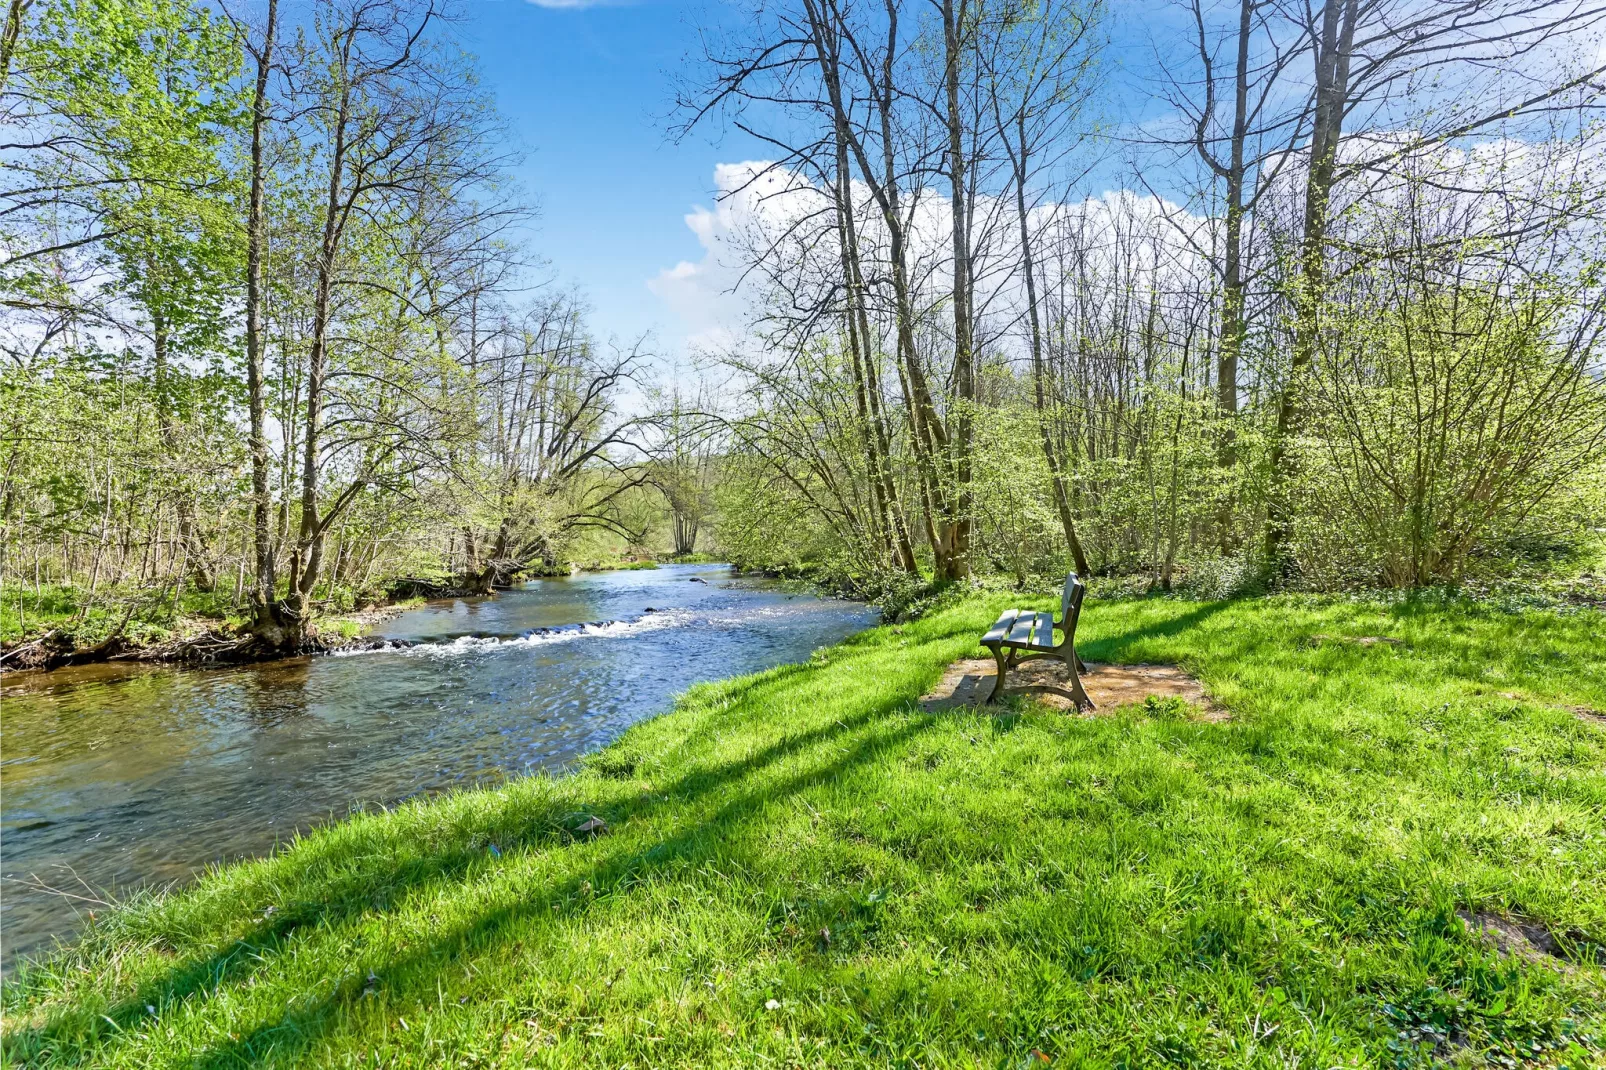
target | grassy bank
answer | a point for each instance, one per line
(803, 868)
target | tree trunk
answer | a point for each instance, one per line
(685, 532)
(928, 438)
(268, 627)
(1334, 39)
(955, 534)
(200, 574)
(1062, 500)
(308, 557)
(846, 237)
(1232, 287)
(867, 390)
(9, 34)
(1233, 326)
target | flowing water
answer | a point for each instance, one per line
(116, 776)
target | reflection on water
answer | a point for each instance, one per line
(116, 776)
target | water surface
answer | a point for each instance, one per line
(116, 776)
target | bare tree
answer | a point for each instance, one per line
(1038, 80)
(557, 457)
(401, 140)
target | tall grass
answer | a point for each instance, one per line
(805, 868)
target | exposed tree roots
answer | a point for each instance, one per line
(55, 650)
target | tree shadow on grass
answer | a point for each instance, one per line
(1110, 648)
(298, 1031)
(354, 892)
(358, 891)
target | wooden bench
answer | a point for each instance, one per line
(1022, 635)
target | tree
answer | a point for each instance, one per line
(264, 585)
(1038, 79)
(557, 457)
(397, 138)
(684, 467)
(119, 113)
(1463, 69)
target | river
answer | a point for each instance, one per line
(119, 776)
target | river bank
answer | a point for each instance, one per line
(803, 867)
(190, 640)
(224, 640)
(122, 775)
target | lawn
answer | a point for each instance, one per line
(803, 868)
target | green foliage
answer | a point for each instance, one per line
(1163, 491)
(1453, 434)
(803, 867)
(602, 565)
(132, 104)
(1169, 708)
(460, 438)
(762, 525)
(901, 597)
(27, 611)
(100, 455)
(1015, 517)
(1452, 430)
(684, 468)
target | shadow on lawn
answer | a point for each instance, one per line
(299, 1030)
(352, 893)
(358, 892)
(1110, 647)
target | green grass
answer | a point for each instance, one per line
(341, 627)
(144, 615)
(804, 868)
(26, 612)
(155, 616)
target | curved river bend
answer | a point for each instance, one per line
(120, 776)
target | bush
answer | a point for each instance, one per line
(1454, 431)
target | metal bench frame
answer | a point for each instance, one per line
(1024, 635)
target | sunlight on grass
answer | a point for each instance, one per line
(803, 867)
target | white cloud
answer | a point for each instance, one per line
(702, 294)
(757, 204)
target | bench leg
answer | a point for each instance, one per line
(1003, 668)
(1077, 693)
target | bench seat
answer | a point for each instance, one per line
(1021, 629)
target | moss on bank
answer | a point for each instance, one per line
(802, 867)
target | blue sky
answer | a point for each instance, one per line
(588, 89)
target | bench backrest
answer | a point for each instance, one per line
(1071, 603)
